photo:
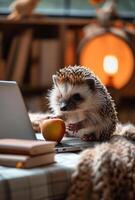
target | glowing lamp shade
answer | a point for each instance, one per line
(108, 55)
(110, 65)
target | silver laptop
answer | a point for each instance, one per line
(15, 122)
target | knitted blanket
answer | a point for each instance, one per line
(105, 172)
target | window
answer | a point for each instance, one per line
(126, 8)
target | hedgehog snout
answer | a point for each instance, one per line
(63, 106)
(67, 105)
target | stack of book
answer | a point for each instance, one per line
(26, 153)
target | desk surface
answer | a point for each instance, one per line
(43, 183)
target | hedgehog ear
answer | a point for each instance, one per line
(91, 83)
(55, 80)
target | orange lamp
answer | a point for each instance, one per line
(109, 55)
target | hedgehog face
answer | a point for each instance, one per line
(66, 97)
(69, 97)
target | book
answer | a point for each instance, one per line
(50, 61)
(26, 161)
(2, 61)
(35, 68)
(26, 147)
(70, 48)
(11, 59)
(22, 55)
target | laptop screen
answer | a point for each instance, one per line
(14, 119)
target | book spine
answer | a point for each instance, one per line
(49, 61)
(22, 56)
(2, 62)
(33, 151)
(13, 160)
(36, 161)
(11, 60)
(21, 161)
(15, 151)
(35, 63)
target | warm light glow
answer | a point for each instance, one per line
(94, 51)
(110, 64)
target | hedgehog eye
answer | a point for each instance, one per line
(77, 97)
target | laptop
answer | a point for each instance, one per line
(15, 122)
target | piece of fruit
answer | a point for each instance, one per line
(53, 129)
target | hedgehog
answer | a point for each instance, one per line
(83, 102)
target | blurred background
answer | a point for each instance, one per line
(38, 37)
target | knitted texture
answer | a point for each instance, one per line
(105, 172)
